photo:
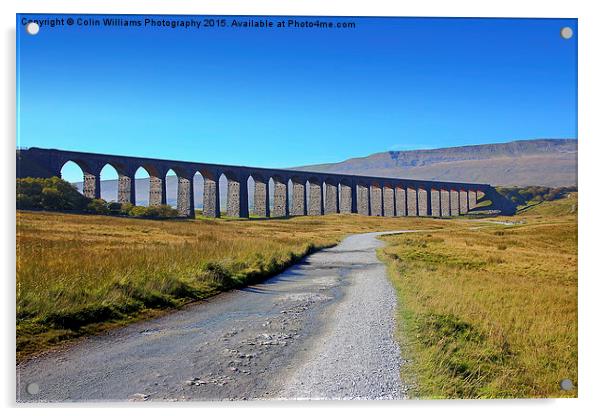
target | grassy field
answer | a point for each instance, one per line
(489, 310)
(485, 310)
(79, 274)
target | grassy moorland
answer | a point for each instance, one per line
(79, 274)
(490, 310)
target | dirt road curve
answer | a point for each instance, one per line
(324, 329)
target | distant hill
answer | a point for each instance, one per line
(545, 162)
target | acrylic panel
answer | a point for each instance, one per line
(290, 207)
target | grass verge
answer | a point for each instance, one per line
(80, 274)
(487, 310)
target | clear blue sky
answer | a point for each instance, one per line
(289, 97)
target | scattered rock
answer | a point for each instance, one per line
(139, 397)
(195, 382)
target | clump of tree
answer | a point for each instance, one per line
(158, 211)
(52, 194)
(56, 194)
(533, 194)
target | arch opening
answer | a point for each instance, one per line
(142, 178)
(74, 174)
(454, 202)
(171, 188)
(198, 182)
(109, 183)
(444, 199)
(435, 202)
(412, 201)
(251, 195)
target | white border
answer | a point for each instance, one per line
(590, 68)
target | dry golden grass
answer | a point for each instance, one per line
(76, 273)
(490, 311)
(485, 310)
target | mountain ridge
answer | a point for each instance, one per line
(545, 162)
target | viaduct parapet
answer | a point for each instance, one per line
(295, 192)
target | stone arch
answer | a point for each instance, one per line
(280, 196)
(126, 183)
(261, 195)
(454, 202)
(363, 198)
(424, 200)
(376, 199)
(155, 188)
(331, 195)
(463, 200)
(315, 204)
(237, 204)
(388, 198)
(445, 202)
(298, 196)
(400, 200)
(412, 200)
(211, 206)
(435, 200)
(346, 196)
(90, 174)
(180, 190)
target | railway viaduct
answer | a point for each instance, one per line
(312, 193)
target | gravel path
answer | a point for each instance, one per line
(321, 329)
(356, 356)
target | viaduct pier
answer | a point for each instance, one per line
(295, 192)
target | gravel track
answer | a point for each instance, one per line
(323, 329)
(356, 356)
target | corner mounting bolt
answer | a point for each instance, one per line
(566, 32)
(32, 28)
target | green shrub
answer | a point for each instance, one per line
(98, 206)
(55, 194)
(114, 207)
(157, 211)
(52, 194)
(137, 211)
(165, 211)
(126, 208)
(526, 195)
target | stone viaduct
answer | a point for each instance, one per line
(311, 193)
